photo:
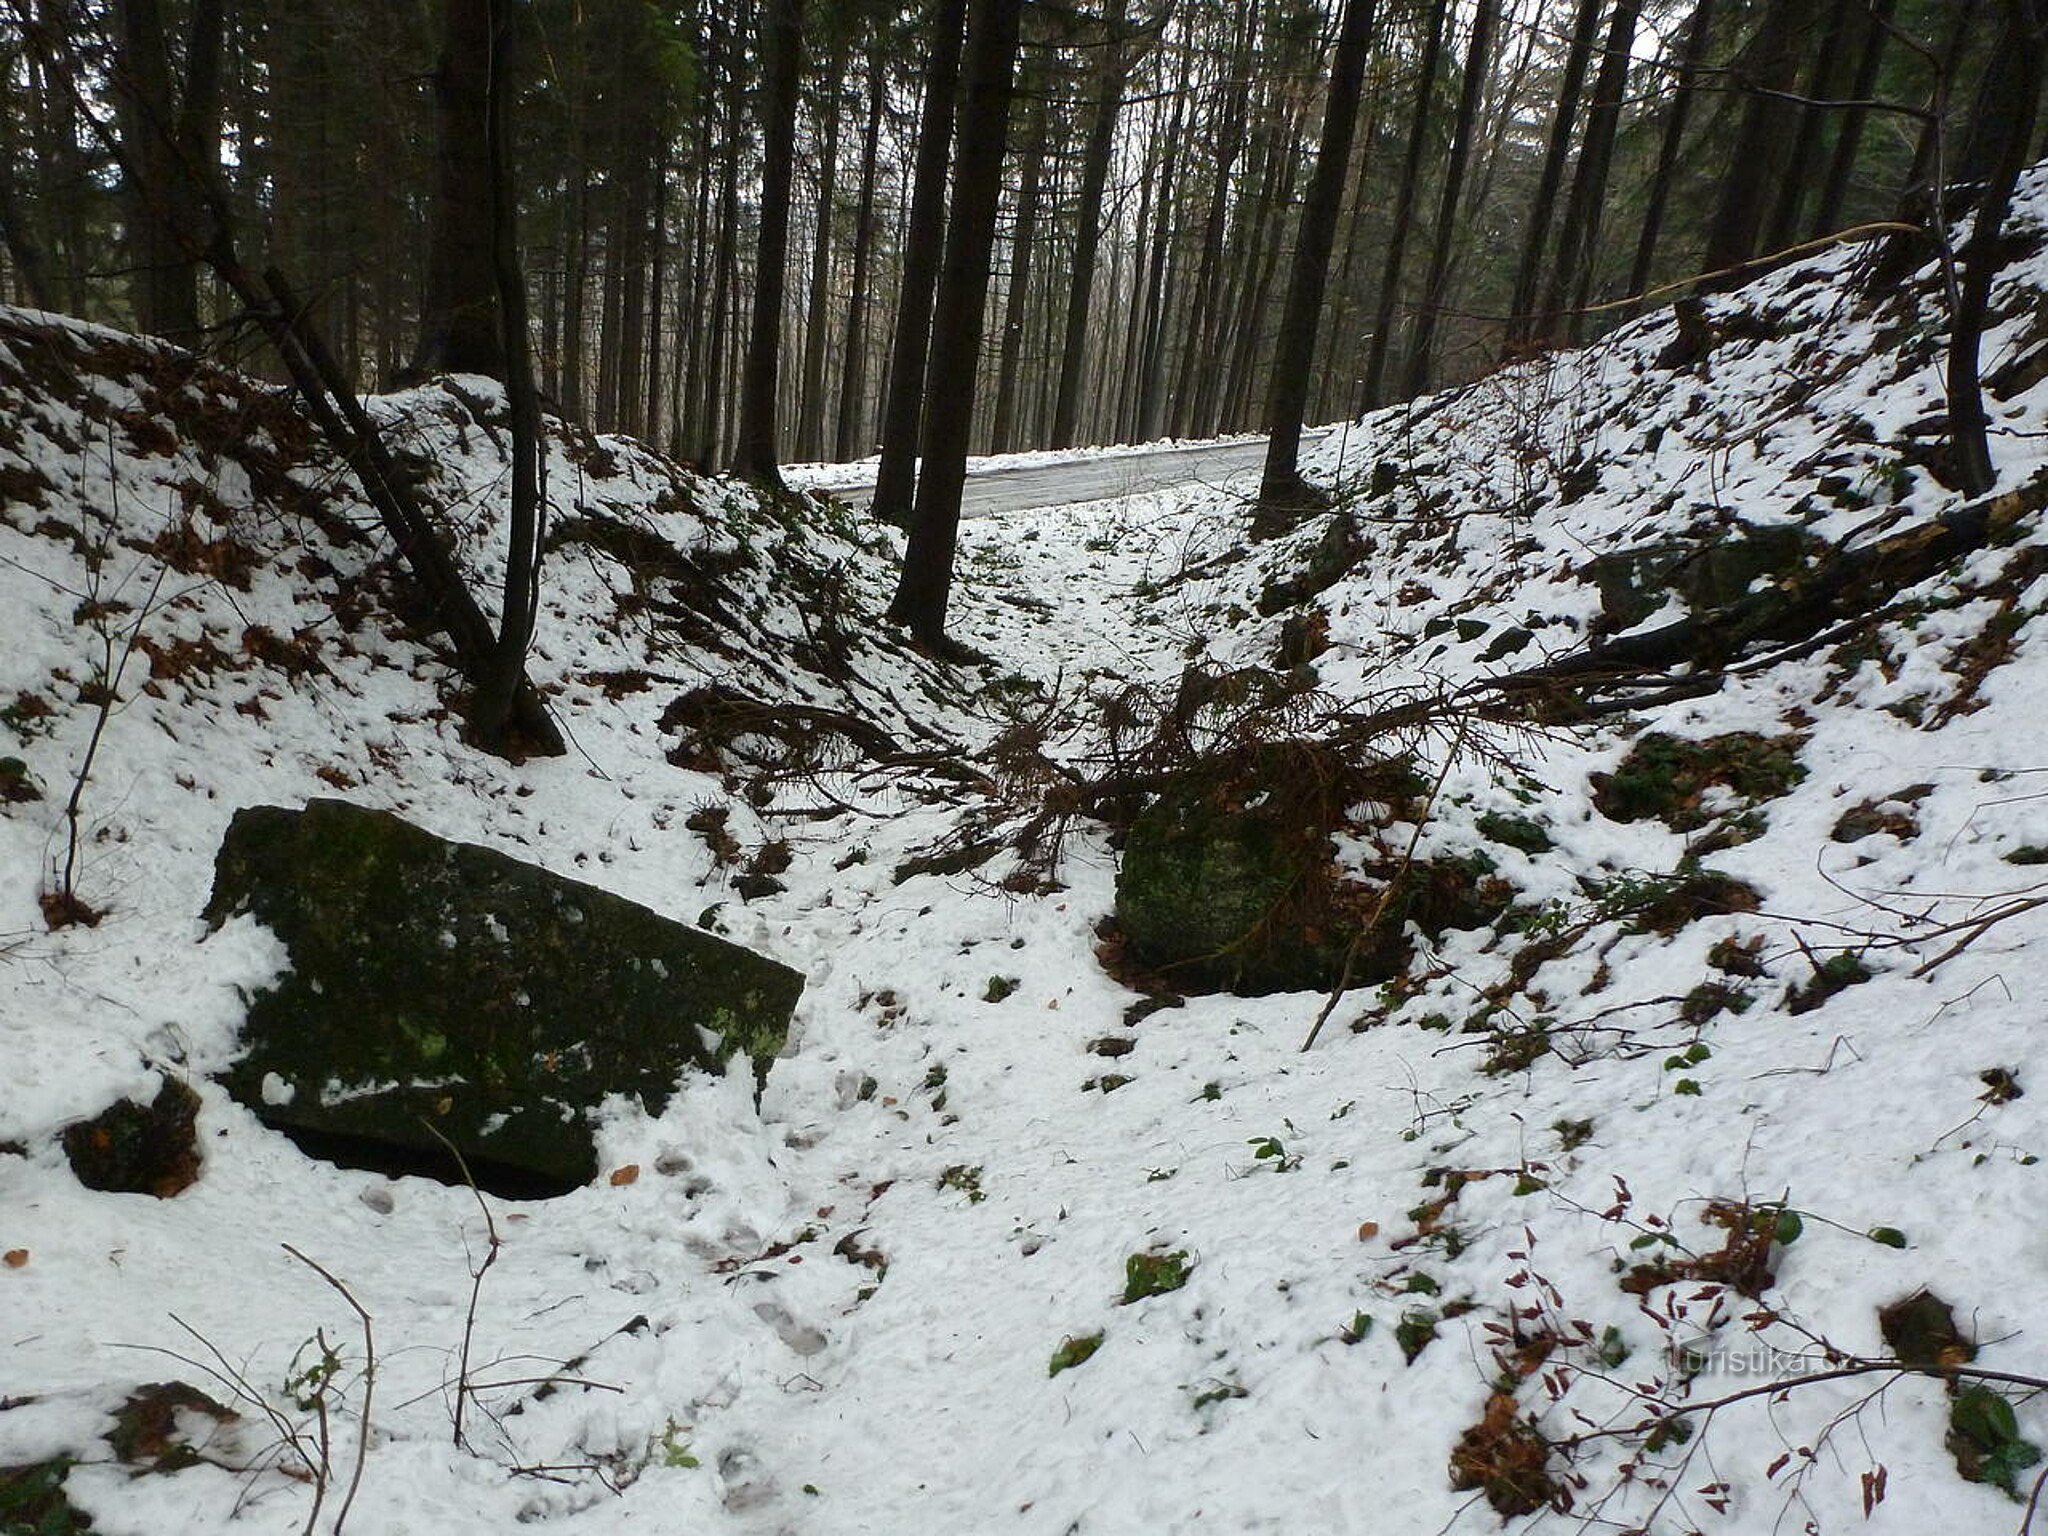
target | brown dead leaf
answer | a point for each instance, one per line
(625, 1174)
(15, 1258)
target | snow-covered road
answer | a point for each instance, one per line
(1099, 477)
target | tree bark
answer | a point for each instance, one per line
(1016, 303)
(1766, 74)
(987, 69)
(848, 443)
(1404, 209)
(757, 454)
(1522, 319)
(1697, 33)
(2008, 105)
(1088, 238)
(526, 526)
(1849, 137)
(1571, 278)
(1282, 492)
(923, 245)
(810, 431)
(1435, 289)
(460, 327)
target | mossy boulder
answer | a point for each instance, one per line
(1633, 583)
(438, 984)
(1229, 878)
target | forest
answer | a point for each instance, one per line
(711, 188)
(1465, 973)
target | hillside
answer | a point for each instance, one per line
(1742, 1051)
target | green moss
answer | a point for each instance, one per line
(1154, 1274)
(1074, 1350)
(1666, 778)
(33, 1503)
(1837, 973)
(1521, 832)
(443, 981)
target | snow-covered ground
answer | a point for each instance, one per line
(838, 1312)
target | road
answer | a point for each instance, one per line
(1099, 479)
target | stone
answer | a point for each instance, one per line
(1706, 574)
(443, 990)
(130, 1148)
(1229, 878)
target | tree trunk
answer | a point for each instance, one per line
(757, 455)
(1282, 492)
(1571, 279)
(810, 430)
(1834, 195)
(848, 442)
(1016, 303)
(460, 329)
(1697, 33)
(1404, 209)
(1197, 353)
(499, 688)
(1822, 77)
(1522, 319)
(2008, 104)
(923, 245)
(987, 68)
(158, 141)
(1094, 176)
(1766, 74)
(1435, 289)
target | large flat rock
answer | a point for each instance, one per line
(439, 984)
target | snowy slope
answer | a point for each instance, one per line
(836, 1314)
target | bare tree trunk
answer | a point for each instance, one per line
(1697, 33)
(987, 69)
(1002, 430)
(1109, 87)
(1876, 25)
(2008, 105)
(1160, 285)
(1543, 209)
(460, 330)
(853, 373)
(1571, 279)
(1766, 73)
(757, 455)
(1435, 290)
(526, 530)
(1282, 492)
(923, 245)
(164, 149)
(1823, 73)
(810, 431)
(1404, 209)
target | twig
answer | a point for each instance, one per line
(369, 1387)
(476, 1279)
(1387, 891)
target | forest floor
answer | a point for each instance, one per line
(1752, 1051)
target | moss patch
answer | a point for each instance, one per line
(33, 1503)
(1667, 779)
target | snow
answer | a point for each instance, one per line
(833, 1311)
